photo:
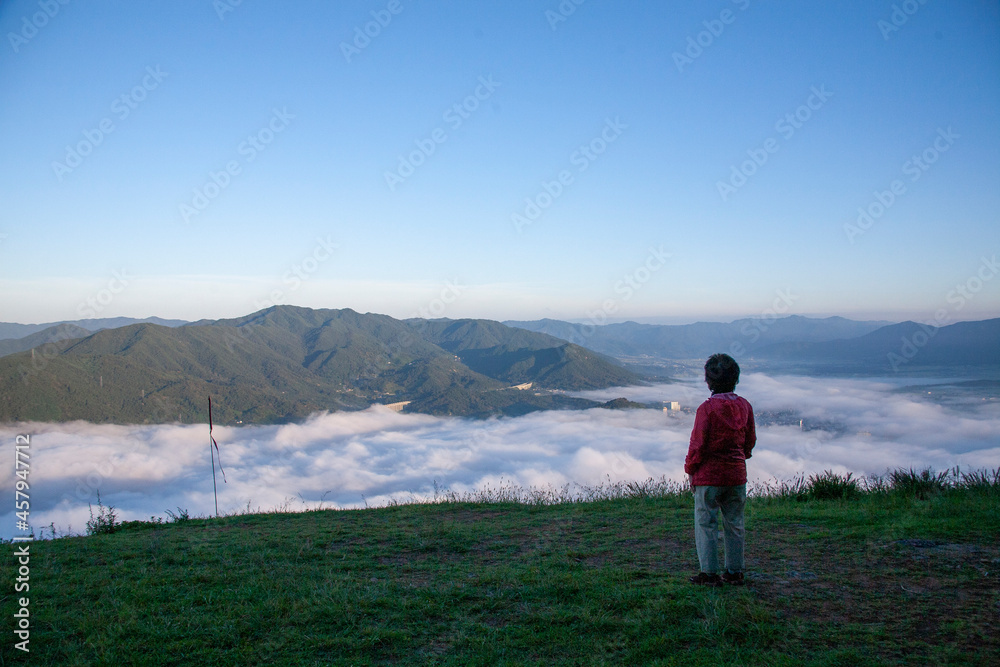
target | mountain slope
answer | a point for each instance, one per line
(146, 373)
(284, 363)
(517, 356)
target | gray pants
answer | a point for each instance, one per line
(708, 500)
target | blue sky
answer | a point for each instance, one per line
(643, 109)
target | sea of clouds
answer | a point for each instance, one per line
(349, 460)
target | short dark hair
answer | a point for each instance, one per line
(722, 373)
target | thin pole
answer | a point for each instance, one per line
(211, 453)
(215, 488)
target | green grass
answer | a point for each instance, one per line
(882, 578)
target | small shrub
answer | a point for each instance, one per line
(831, 486)
(921, 485)
(105, 522)
(982, 481)
(877, 484)
(182, 515)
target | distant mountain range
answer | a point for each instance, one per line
(701, 339)
(285, 362)
(11, 330)
(899, 347)
(830, 344)
(53, 334)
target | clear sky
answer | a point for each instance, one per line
(666, 161)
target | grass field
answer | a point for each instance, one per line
(883, 574)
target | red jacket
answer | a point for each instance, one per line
(721, 440)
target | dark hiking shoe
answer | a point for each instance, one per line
(734, 578)
(705, 579)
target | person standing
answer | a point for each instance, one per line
(721, 441)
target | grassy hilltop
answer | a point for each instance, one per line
(902, 572)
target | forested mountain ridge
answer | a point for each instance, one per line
(285, 362)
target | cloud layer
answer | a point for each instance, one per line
(350, 459)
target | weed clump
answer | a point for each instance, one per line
(986, 482)
(106, 521)
(921, 485)
(831, 486)
(181, 515)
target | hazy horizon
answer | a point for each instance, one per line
(663, 320)
(432, 297)
(678, 320)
